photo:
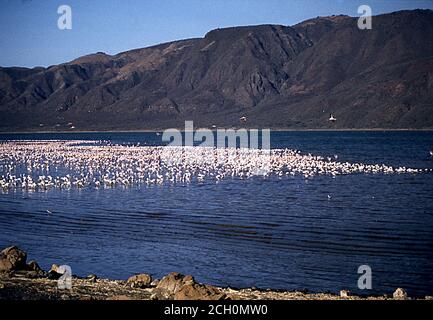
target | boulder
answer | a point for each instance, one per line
(140, 281)
(399, 294)
(180, 287)
(33, 270)
(33, 266)
(198, 291)
(172, 282)
(12, 259)
(5, 265)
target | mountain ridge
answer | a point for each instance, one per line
(274, 75)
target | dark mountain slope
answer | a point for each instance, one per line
(276, 76)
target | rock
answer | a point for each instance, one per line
(154, 283)
(2, 286)
(344, 293)
(34, 270)
(33, 266)
(399, 294)
(92, 277)
(429, 297)
(53, 274)
(188, 280)
(12, 259)
(5, 265)
(31, 270)
(140, 281)
(180, 287)
(172, 282)
(198, 291)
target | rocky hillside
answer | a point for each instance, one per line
(274, 76)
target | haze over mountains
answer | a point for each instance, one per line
(275, 76)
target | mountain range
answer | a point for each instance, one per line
(265, 76)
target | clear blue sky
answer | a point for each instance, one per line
(29, 35)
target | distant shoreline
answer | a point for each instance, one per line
(182, 130)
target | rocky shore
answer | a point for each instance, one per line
(20, 280)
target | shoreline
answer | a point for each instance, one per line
(21, 287)
(20, 280)
(183, 130)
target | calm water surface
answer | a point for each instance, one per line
(275, 233)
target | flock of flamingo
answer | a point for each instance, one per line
(41, 165)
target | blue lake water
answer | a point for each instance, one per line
(275, 233)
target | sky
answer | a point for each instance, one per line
(29, 34)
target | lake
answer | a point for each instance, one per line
(281, 233)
